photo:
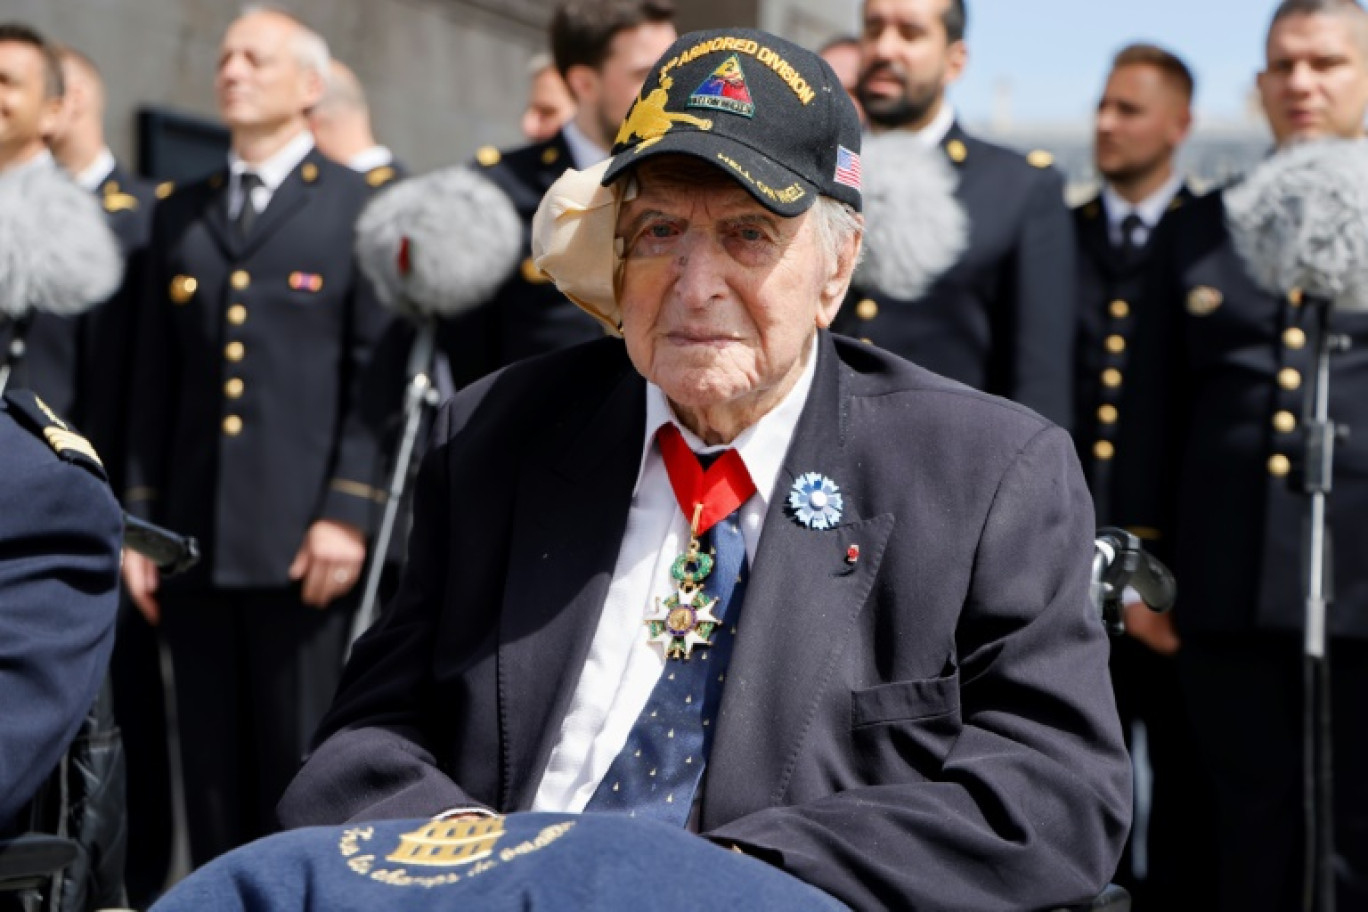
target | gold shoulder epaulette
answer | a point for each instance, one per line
(1039, 159)
(378, 177)
(33, 413)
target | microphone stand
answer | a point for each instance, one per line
(17, 348)
(419, 395)
(1317, 748)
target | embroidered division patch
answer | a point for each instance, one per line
(725, 90)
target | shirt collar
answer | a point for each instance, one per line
(374, 157)
(762, 446)
(91, 176)
(583, 151)
(1150, 209)
(275, 169)
(934, 133)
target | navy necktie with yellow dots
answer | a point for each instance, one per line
(657, 772)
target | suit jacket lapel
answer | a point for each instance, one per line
(216, 214)
(1093, 231)
(292, 194)
(570, 514)
(802, 597)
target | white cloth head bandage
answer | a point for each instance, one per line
(574, 240)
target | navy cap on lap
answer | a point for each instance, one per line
(555, 862)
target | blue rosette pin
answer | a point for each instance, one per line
(816, 501)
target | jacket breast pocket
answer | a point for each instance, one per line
(903, 731)
(906, 701)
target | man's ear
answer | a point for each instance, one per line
(835, 288)
(583, 83)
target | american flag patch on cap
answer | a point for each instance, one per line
(847, 167)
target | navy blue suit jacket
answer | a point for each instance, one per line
(931, 726)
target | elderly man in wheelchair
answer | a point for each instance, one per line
(730, 611)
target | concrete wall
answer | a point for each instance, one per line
(444, 76)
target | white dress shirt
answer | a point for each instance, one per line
(1150, 209)
(272, 172)
(93, 175)
(374, 157)
(622, 667)
(583, 151)
(935, 132)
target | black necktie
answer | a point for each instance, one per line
(1130, 237)
(247, 212)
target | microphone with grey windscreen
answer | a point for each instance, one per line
(915, 228)
(434, 247)
(1300, 220)
(57, 253)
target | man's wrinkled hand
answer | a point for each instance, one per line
(329, 562)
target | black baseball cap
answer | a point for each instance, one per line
(769, 113)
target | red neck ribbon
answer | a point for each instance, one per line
(724, 487)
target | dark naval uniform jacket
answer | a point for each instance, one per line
(1126, 342)
(249, 366)
(79, 363)
(928, 726)
(1247, 364)
(60, 535)
(527, 316)
(1002, 318)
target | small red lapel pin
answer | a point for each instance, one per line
(852, 554)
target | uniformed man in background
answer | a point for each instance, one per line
(603, 50)
(1002, 319)
(43, 350)
(107, 336)
(1124, 343)
(549, 104)
(341, 125)
(1247, 362)
(256, 333)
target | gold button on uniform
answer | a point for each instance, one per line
(240, 279)
(1108, 414)
(1284, 422)
(1279, 465)
(182, 289)
(1294, 297)
(1119, 309)
(232, 425)
(1104, 450)
(1294, 338)
(237, 315)
(233, 388)
(234, 351)
(1116, 344)
(1289, 379)
(1111, 378)
(867, 309)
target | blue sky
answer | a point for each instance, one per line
(1054, 53)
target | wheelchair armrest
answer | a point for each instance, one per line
(27, 861)
(1112, 899)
